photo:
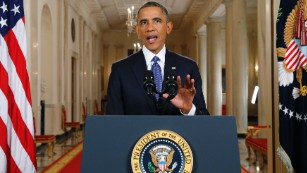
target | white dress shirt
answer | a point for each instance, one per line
(149, 56)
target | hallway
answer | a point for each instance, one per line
(68, 142)
(61, 147)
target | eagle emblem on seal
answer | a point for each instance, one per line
(162, 158)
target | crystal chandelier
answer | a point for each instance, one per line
(131, 20)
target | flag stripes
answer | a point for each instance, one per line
(19, 135)
(8, 161)
(16, 54)
(3, 145)
(294, 59)
(17, 148)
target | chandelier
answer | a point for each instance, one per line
(131, 20)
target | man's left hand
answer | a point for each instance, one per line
(185, 95)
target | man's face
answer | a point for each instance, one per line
(152, 28)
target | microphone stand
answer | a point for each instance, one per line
(169, 86)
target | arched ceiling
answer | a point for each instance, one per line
(112, 14)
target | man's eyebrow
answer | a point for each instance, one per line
(157, 18)
(143, 20)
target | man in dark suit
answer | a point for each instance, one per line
(126, 95)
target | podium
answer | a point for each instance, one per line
(109, 141)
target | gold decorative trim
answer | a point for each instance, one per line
(59, 164)
(281, 52)
(290, 25)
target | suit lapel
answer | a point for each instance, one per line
(170, 63)
(139, 67)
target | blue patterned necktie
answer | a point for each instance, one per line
(156, 69)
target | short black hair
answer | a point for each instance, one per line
(155, 4)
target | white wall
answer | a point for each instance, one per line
(51, 52)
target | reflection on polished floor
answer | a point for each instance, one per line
(61, 147)
(70, 140)
(250, 164)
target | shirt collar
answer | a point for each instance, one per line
(149, 55)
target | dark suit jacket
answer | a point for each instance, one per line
(126, 95)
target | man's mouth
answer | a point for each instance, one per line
(152, 38)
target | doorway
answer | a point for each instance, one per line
(73, 87)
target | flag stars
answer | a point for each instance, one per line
(285, 111)
(4, 7)
(291, 114)
(298, 116)
(16, 9)
(3, 22)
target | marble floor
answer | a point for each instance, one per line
(61, 147)
(69, 141)
(250, 164)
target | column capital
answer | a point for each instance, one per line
(202, 30)
(214, 20)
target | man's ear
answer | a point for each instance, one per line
(136, 29)
(169, 28)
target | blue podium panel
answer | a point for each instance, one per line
(109, 141)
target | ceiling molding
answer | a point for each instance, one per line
(187, 14)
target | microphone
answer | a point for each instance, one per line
(171, 86)
(149, 84)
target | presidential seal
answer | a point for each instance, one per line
(162, 151)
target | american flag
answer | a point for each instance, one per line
(292, 53)
(17, 148)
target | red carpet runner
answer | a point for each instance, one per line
(69, 162)
(243, 170)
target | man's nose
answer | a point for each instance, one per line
(150, 27)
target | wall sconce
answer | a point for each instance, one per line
(136, 47)
(255, 95)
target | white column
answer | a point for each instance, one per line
(202, 38)
(265, 69)
(266, 83)
(239, 64)
(229, 47)
(214, 73)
